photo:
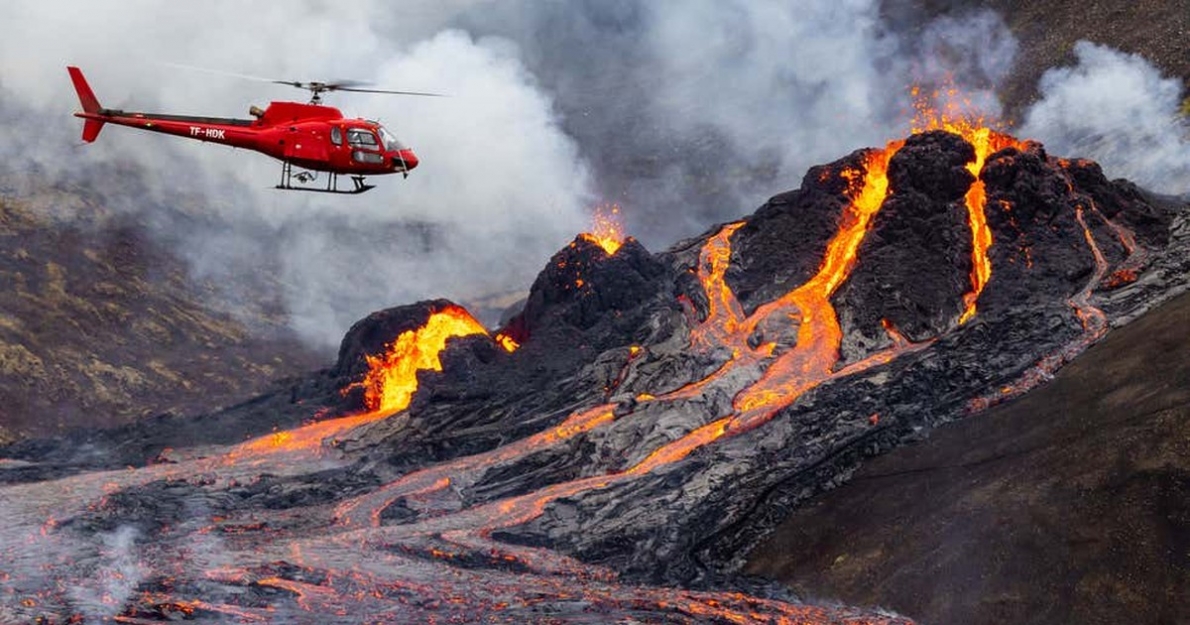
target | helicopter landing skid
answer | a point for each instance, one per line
(332, 182)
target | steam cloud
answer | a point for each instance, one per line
(500, 188)
(117, 573)
(686, 112)
(1117, 109)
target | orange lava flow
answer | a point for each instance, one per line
(388, 386)
(986, 142)
(507, 342)
(1092, 318)
(813, 358)
(819, 334)
(607, 231)
(305, 438)
(392, 378)
(724, 314)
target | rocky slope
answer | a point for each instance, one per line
(100, 324)
(1067, 505)
(661, 414)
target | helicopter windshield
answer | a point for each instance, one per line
(390, 142)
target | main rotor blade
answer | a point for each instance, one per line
(220, 72)
(422, 93)
(313, 85)
(343, 85)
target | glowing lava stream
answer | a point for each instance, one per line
(388, 386)
(986, 142)
(1093, 320)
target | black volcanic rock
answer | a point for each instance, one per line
(1066, 506)
(1033, 210)
(915, 264)
(583, 285)
(782, 243)
(932, 164)
(1027, 326)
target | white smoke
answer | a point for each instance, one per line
(973, 53)
(787, 85)
(800, 79)
(695, 111)
(1117, 109)
(500, 186)
(690, 112)
(117, 572)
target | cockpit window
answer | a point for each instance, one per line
(361, 137)
(336, 135)
(390, 142)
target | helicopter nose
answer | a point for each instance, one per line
(405, 159)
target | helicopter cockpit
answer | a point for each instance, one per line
(390, 142)
(374, 144)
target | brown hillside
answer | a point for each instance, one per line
(100, 325)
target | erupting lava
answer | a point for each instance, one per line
(392, 378)
(812, 359)
(986, 142)
(388, 386)
(607, 231)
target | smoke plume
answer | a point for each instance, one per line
(1119, 110)
(684, 112)
(500, 187)
(117, 572)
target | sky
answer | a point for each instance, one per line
(686, 113)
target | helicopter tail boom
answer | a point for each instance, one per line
(91, 108)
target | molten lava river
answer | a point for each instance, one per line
(341, 562)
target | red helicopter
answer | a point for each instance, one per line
(308, 136)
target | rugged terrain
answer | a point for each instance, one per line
(101, 324)
(1066, 505)
(661, 413)
(51, 380)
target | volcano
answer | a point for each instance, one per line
(614, 451)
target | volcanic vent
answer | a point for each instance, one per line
(642, 421)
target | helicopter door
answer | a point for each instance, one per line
(306, 145)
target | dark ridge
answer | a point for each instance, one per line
(1066, 506)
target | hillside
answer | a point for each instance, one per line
(1158, 30)
(100, 324)
(1067, 505)
(943, 379)
(661, 412)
